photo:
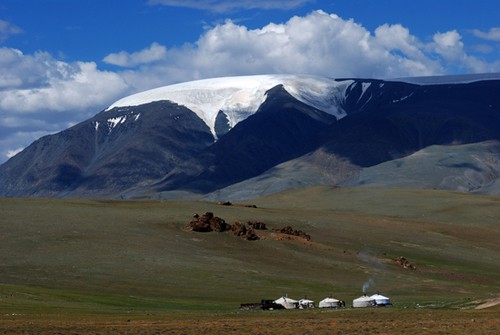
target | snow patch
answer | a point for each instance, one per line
(112, 123)
(364, 87)
(402, 99)
(115, 121)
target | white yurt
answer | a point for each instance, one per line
(286, 302)
(363, 301)
(306, 303)
(329, 303)
(380, 300)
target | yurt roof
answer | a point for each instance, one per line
(364, 298)
(285, 299)
(329, 299)
(379, 297)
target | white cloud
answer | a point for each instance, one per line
(492, 35)
(222, 6)
(397, 37)
(154, 53)
(449, 45)
(76, 87)
(7, 29)
(451, 49)
(24, 71)
(12, 153)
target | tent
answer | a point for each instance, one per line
(380, 300)
(363, 301)
(329, 303)
(306, 303)
(287, 302)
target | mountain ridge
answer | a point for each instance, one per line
(164, 148)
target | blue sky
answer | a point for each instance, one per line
(62, 61)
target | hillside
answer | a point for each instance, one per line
(91, 256)
(471, 168)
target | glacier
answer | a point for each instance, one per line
(239, 97)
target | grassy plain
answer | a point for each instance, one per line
(79, 266)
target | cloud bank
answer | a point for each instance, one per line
(40, 94)
(319, 43)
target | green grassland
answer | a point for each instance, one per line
(137, 257)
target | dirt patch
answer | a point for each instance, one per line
(288, 230)
(489, 303)
(286, 237)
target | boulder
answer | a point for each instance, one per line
(207, 223)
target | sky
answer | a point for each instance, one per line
(63, 61)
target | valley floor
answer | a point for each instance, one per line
(134, 267)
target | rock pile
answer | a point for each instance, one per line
(244, 231)
(257, 225)
(208, 222)
(290, 231)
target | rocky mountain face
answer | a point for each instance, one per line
(107, 154)
(163, 149)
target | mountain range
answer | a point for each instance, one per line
(237, 138)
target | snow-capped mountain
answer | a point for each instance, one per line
(247, 136)
(239, 97)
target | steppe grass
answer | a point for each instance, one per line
(102, 257)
